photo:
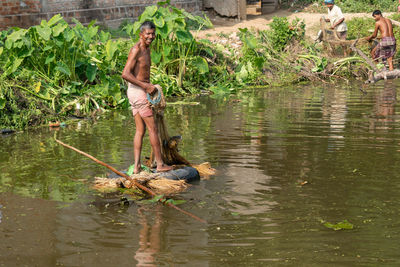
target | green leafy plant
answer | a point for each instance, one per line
(283, 31)
(175, 51)
(343, 225)
(347, 6)
(319, 62)
(63, 69)
(367, 5)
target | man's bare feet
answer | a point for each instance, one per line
(137, 169)
(164, 168)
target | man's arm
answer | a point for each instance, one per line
(127, 73)
(375, 32)
(337, 23)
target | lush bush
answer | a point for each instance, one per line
(53, 69)
(348, 6)
(367, 5)
(360, 27)
(175, 52)
(269, 52)
(61, 69)
(283, 31)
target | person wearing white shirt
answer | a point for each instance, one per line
(336, 18)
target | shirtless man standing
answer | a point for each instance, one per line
(137, 74)
(386, 49)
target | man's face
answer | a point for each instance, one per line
(330, 6)
(148, 35)
(376, 17)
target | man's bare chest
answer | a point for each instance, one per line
(144, 59)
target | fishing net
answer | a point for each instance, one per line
(169, 145)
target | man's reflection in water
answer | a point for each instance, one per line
(149, 238)
(385, 106)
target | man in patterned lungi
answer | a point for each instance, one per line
(386, 48)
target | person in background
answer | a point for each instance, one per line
(336, 18)
(386, 48)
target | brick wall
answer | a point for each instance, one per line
(25, 13)
(12, 7)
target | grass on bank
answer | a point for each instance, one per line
(347, 6)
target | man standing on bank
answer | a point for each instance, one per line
(137, 74)
(386, 49)
(336, 18)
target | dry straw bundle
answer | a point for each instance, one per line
(154, 181)
(170, 155)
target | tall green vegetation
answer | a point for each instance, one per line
(58, 69)
(175, 52)
(264, 52)
(367, 5)
(349, 6)
(53, 70)
(283, 31)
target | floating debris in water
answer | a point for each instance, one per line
(343, 225)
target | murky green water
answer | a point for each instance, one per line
(343, 141)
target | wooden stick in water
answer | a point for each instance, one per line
(147, 190)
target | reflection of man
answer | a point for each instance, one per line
(336, 18)
(149, 240)
(387, 47)
(385, 102)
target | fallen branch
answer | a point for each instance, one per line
(384, 75)
(147, 190)
(367, 59)
(394, 22)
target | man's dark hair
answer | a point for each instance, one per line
(147, 25)
(377, 12)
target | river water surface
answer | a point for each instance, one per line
(288, 160)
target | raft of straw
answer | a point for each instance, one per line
(170, 156)
(153, 181)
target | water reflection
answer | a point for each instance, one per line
(265, 144)
(336, 111)
(385, 106)
(149, 238)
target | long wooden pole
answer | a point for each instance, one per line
(147, 190)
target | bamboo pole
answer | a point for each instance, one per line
(147, 190)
